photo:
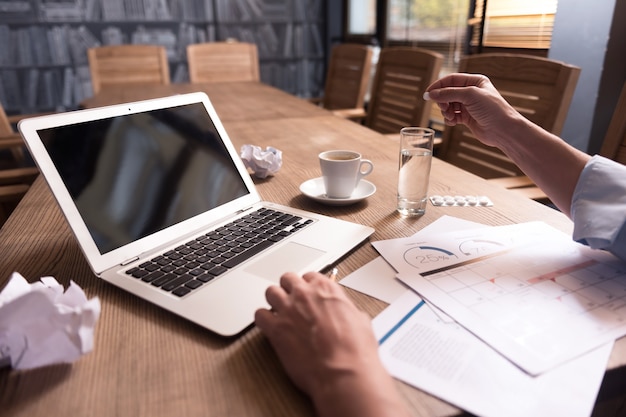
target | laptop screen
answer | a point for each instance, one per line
(134, 175)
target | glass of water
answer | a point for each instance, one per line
(416, 152)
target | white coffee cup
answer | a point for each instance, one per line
(342, 170)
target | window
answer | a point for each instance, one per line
(438, 25)
(454, 27)
(517, 24)
(361, 17)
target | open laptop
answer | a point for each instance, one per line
(158, 197)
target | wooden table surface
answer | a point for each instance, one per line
(149, 362)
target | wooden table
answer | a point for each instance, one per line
(147, 361)
(234, 101)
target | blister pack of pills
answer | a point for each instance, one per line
(461, 200)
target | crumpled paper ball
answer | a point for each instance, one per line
(42, 324)
(262, 162)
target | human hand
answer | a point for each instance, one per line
(316, 331)
(472, 99)
(328, 348)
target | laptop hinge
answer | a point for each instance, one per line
(129, 261)
(243, 210)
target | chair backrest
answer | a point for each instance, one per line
(223, 62)
(541, 89)
(614, 145)
(5, 126)
(348, 75)
(128, 64)
(402, 75)
(10, 140)
(15, 179)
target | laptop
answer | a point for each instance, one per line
(162, 206)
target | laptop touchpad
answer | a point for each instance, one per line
(291, 257)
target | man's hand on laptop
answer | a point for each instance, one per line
(327, 347)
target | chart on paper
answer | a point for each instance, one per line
(539, 304)
(415, 254)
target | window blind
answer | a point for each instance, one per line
(515, 23)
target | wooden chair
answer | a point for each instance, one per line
(9, 139)
(402, 75)
(128, 64)
(223, 62)
(15, 175)
(539, 88)
(347, 79)
(614, 144)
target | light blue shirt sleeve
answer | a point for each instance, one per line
(599, 206)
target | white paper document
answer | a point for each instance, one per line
(527, 290)
(43, 324)
(447, 361)
(426, 251)
(378, 279)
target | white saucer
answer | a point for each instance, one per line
(315, 189)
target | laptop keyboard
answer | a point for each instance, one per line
(189, 266)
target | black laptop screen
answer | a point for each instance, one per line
(133, 175)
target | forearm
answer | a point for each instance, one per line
(549, 161)
(370, 392)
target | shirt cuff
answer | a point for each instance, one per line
(599, 203)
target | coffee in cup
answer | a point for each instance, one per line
(342, 170)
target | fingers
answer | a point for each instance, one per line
(454, 96)
(311, 276)
(454, 89)
(289, 280)
(278, 297)
(263, 319)
(458, 80)
(453, 93)
(451, 112)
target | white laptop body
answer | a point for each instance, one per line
(138, 179)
